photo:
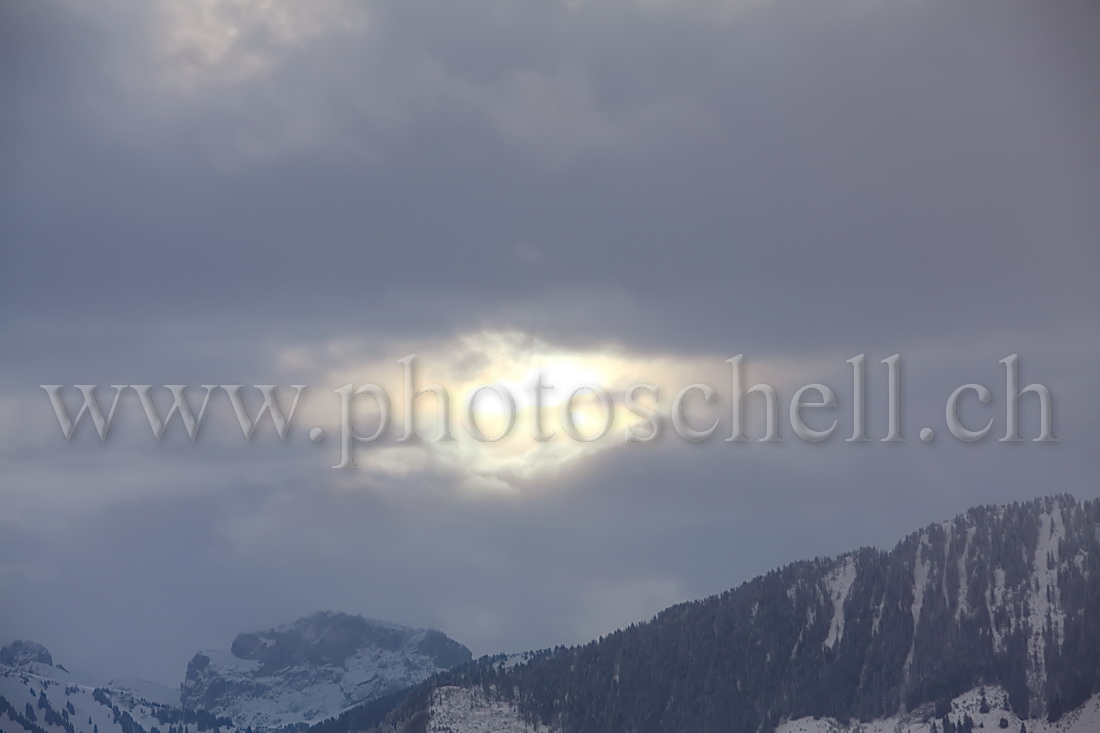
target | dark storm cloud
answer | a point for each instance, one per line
(773, 178)
(893, 167)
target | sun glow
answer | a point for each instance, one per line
(497, 366)
(491, 410)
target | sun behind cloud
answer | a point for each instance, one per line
(516, 406)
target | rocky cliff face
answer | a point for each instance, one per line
(313, 669)
(23, 652)
(1006, 597)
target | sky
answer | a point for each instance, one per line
(615, 192)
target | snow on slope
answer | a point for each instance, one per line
(314, 669)
(467, 710)
(84, 708)
(306, 693)
(1044, 602)
(142, 689)
(1085, 719)
(839, 584)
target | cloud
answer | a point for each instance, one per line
(241, 192)
(228, 42)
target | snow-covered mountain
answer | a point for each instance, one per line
(39, 696)
(454, 709)
(24, 653)
(1004, 599)
(293, 675)
(989, 621)
(313, 669)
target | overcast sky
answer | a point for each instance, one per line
(246, 192)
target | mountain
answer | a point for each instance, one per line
(20, 653)
(992, 616)
(313, 669)
(39, 696)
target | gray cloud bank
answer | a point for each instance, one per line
(186, 195)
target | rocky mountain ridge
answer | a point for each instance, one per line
(1006, 597)
(314, 668)
(39, 696)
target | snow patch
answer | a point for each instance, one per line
(1086, 719)
(469, 710)
(920, 583)
(964, 578)
(1044, 603)
(838, 585)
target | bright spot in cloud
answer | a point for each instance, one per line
(514, 361)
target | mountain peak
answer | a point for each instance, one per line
(22, 652)
(329, 638)
(313, 668)
(1000, 598)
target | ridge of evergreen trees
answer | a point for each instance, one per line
(745, 660)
